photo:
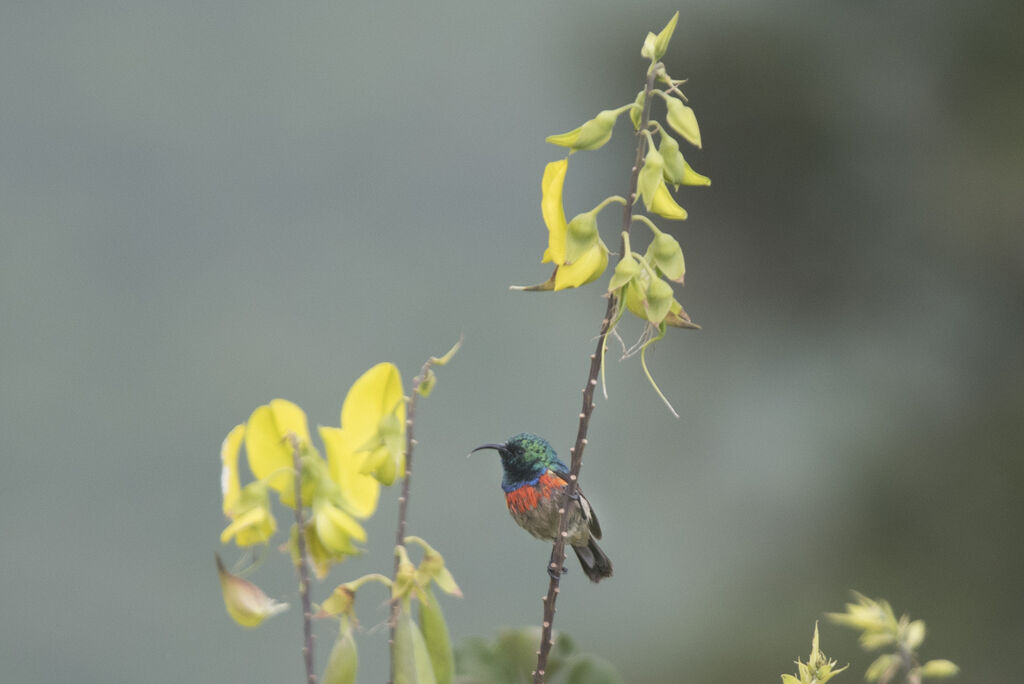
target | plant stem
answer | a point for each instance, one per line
(558, 549)
(909, 664)
(403, 500)
(307, 609)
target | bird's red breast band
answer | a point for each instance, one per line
(527, 497)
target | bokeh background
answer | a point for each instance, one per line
(207, 205)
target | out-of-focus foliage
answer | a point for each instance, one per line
(510, 659)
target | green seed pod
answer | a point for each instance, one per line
(344, 660)
(435, 634)
(410, 658)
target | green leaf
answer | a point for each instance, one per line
(587, 669)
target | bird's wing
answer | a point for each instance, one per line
(589, 515)
(588, 512)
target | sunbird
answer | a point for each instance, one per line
(534, 481)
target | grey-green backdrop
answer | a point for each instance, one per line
(207, 205)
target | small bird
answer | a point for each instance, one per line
(533, 483)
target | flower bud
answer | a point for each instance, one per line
(665, 253)
(682, 119)
(650, 176)
(647, 51)
(914, 635)
(883, 666)
(405, 578)
(662, 39)
(586, 269)
(659, 300)
(674, 162)
(665, 206)
(581, 236)
(627, 269)
(426, 385)
(591, 135)
(938, 668)
(246, 603)
(636, 112)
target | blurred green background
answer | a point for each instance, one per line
(207, 205)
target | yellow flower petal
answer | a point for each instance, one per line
(587, 268)
(229, 484)
(375, 394)
(552, 210)
(270, 453)
(664, 205)
(336, 529)
(361, 492)
(255, 526)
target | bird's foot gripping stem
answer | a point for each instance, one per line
(554, 572)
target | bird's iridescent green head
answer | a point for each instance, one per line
(525, 457)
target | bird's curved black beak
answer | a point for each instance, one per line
(496, 447)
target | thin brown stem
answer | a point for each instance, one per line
(403, 500)
(303, 566)
(909, 664)
(558, 549)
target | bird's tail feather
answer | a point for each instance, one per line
(596, 564)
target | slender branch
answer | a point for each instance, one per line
(558, 549)
(303, 566)
(909, 663)
(403, 500)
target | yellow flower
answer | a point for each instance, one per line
(251, 520)
(591, 135)
(360, 492)
(373, 419)
(246, 603)
(586, 269)
(336, 529)
(249, 508)
(663, 204)
(269, 448)
(552, 210)
(589, 263)
(229, 485)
